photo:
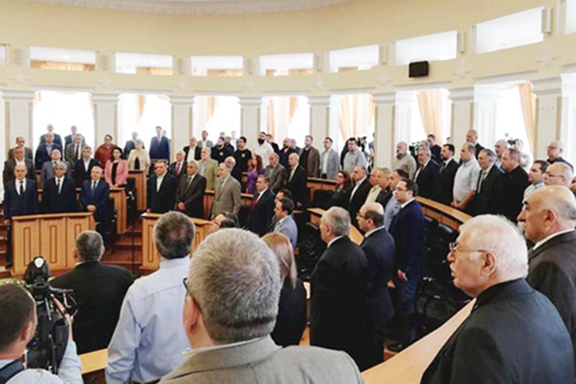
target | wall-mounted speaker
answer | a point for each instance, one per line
(418, 69)
(546, 20)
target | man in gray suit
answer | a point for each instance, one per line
(276, 173)
(329, 161)
(74, 150)
(226, 192)
(231, 335)
(21, 143)
(286, 224)
(48, 167)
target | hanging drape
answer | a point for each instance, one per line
(430, 105)
(211, 103)
(271, 121)
(140, 103)
(293, 107)
(528, 103)
(154, 71)
(356, 115)
(37, 98)
(78, 67)
(91, 102)
(347, 113)
(225, 72)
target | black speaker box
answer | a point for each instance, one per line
(419, 69)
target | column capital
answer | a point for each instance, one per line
(105, 98)
(462, 94)
(17, 95)
(319, 101)
(405, 97)
(384, 98)
(250, 101)
(551, 86)
(182, 100)
(487, 93)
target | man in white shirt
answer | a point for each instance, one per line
(263, 149)
(536, 177)
(150, 339)
(466, 177)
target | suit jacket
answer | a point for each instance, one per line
(444, 188)
(130, 146)
(262, 361)
(28, 154)
(436, 149)
(284, 154)
(292, 314)
(478, 148)
(511, 193)
(197, 152)
(210, 173)
(20, 205)
(70, 152)
(333, 164)
(8, 174)
(426, 179)
(99, 291)
(552, 271)
(380, 253)
(81, 174)
(43, 156)
(121, 172)
(69, 139)
(162, 200)
(261, 212)
(99, 198)
(287, 227)
(159, 150)
(407, 228)
(356, 201)
(384, 197)
(528, 343)
(340, 318)
(192, 195)
(62, 202)
(313, 168)
(277, 177)
(57, 139)
(48, 171)
(172, 170)
(298, 185)
(485, 201)
(226, 197)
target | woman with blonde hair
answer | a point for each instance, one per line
(291, 320)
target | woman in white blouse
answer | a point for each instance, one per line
(139, 158)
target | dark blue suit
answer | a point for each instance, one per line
(20, 205)
(160, 150)
(62, 202)
(42, 154)
(98, 197)
(261, 213)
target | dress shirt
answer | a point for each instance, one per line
(264, 151)
(190, 179)
(353, 159)
(372, 231)
(20, 162)
(191, 152)
(356, 188)
(86, 164)
(532, 188)
(149, 339)
(94, 185)
(333, 241)
(420, 169)
(59, 182)
(191, 352)
(325, 158)
(445, 164)
(292, 171)
(178, 168)
(390, 210)
(20, 183)
(260, 194)
(373, 194)
(546, 239)
(406, 203)
(465, 179)
(69, 372)
(159, 180)
(203, 167)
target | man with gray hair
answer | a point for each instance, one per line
(554, 151)
(231, 335)
(60, 191)
(513, 183)
(549, 216)
(340, 318)
(499, 147)
(427, 172)
(559, 173)
(178, 167)
(227, 192)
(276, 173)
(404, 160)
(149, 339)
(98, 289)
(486, 194)
(514, 334)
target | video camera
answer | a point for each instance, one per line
(46, 349)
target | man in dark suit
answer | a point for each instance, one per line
(434, 148)
(161, 187)
(192, 151)
(262, 208)
(359, 193)
(131, 144)
(276, 173)
(56, 137)
(378, 245)
(297, 181)
(285, 153)
(549, 218)
(407, 228)
(514, 334)
(190, 192)
(444, 188)
(472, 138)
(512, 186)
(340, 318)
(60, 192)
(21, 143)
(83, 167)
(10, 164)
(487, 185)
(99, 291)
(74, 150)
(70, 138)
(159, 146)
(94, 195)
(427, 173)
(44, 151)
(178, 168)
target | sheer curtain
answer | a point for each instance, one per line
(142, 113)
(356, 115)
(430, 105)
(528, 104)
(288, 116)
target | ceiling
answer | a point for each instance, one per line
(198, 6)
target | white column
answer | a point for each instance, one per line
(18, 120)
(462, 114)
(105, 117)
(181, 122)
(404, 102)
(485, 101)
(250, 118)
(384, 141)
(319, 118)
(334, 122)
(568, 122)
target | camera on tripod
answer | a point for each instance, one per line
(46, 349)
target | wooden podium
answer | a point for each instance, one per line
(140, 184)
(51, 236)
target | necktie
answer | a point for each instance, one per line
(442, 167)
(77, 152)
(21, 187)
(178, 166)
(481, 181)
(93, 186)
(254, 201)
(58, 185)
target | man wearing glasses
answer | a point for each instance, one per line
(554, 151)
(559, 174)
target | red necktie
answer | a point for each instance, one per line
(254, 201)
(178, 169)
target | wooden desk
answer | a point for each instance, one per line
(94, 361)
(140, 184)
(150, 261)
(316, 215)
(118, 195)
(246, 199)
(444, 214)
(315, 184)
(52, 236)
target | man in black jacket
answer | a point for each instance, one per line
(512, 186)
(514, 334)
(44, 151)
(262, 208)
(60, 192)
(549, 216)
(379, 248)
(192, 151)
(444, 188)
(487, 185)
(83, 167)
(161, 187)
(220, 152)
(358, 193)
(99, 291)
(190, 192)
(340, 318)
(297, 180)
(427, 173)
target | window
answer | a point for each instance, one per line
(356, 117)
(570, 16)
(63, 110)
(143, 64)
(62, 59)
(3, 55)
(285, 65)
(354, 59)
(227, 66)
(510, 31)
(510, 122)
(216, 114)
(436, 47)
(143, 113)
(286, 116)
(431, 113)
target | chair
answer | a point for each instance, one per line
(322, 199)
(311, 247)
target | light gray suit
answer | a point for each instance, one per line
(48, 171)
(333, 163)
(288, 227)
(27, 153)
(226, 197)
(262, 361)
(277, 177)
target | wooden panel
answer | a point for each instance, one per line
(53, 242)
(25, 244)
(94, 361)
(119, 197)
(140, 184)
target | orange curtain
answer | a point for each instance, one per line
(225, 72)
(347, 69)
(270, 118)
(140, 103)
(293, 107)
(430, 105)
(306, 71)
(211, 103)
(347, 114)
(528, 103)
(91, 102)
(77, 67)
(154, 71)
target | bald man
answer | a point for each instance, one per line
(559, 173)
(472, 138)
(554, 151)
(404, 160)
(499, 147)
(178, 167)
(549, 216)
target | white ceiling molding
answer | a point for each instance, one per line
(200, 7)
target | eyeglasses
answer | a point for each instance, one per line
(454, 248)
(185, 282)
(550, 175)
(360, 216)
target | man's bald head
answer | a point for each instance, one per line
(370, 216)
(559, 174)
